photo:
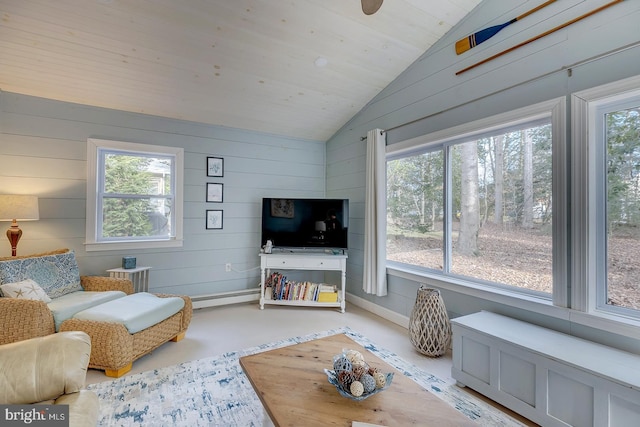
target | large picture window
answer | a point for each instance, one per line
(135, 195)
(477, 204)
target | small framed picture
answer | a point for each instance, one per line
(214, 192)
(214, 220)
(215, 166)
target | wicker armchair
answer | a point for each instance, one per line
(25, 319)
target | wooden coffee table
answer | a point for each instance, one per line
(294, 390)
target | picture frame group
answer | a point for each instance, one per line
(214, 193)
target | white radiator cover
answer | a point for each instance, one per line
(551, 378)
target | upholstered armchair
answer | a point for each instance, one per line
(50, 370)
(23, 319)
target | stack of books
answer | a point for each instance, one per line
(277, 287)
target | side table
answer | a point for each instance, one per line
(139, 276)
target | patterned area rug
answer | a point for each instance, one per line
(215, 391)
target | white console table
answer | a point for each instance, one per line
(313, 261)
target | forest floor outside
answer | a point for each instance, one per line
(523, 258)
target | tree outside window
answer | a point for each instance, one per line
(496, 219)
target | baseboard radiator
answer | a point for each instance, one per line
(226, 298)
(551, 378)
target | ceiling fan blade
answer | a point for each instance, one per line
(369, 7)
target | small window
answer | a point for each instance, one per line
(134, 195)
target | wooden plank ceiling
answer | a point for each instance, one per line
(298, 68)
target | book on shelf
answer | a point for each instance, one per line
(328, 297)
(278, 287)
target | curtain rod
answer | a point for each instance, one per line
(563, 68)
(364, 138)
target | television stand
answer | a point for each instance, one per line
(312, 261)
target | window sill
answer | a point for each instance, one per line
(534, 303)
(620, 325)
(121, 246)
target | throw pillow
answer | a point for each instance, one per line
(27, 289)
(57, 274)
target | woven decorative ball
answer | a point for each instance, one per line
(381, 379)
(354, 356)
(356, 388)
(368, 382)
(341, 363)
(429, 326)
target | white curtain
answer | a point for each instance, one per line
(375, 224)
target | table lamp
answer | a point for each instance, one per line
(14, 208)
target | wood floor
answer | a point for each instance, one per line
(217, 330)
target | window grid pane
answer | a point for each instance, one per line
(500, 203)
(135, 196)
(622, 141)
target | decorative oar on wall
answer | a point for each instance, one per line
(539, 36)
(482, 36)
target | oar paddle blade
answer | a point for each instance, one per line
(481, 36)
(369, 7)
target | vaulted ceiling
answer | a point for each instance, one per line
(298, 68)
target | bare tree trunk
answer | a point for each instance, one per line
(498, 178)
(527, 176)
(470, 206)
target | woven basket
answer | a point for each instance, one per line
(429, 327)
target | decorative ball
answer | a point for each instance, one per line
(381, 379)
(372, 371)
(357, 388)
(342, 364)
(362, 363)
(368, 383)
(354, 355)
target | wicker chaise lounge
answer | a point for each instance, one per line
(114, 348)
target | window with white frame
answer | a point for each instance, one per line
(476, 203)
(609, 166)
(134, 195)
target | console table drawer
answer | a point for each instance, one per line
(284, 262)
(322, 264)
(306, 263)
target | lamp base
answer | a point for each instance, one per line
(13, 234)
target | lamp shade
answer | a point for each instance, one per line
(19, 208)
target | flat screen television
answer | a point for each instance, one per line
(305, 223)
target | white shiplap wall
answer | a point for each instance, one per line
(429, 96)
(43, 152)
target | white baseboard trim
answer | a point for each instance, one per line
(376, 309)
(249, 295)
(225, 298)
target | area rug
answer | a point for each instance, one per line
(215, 391)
